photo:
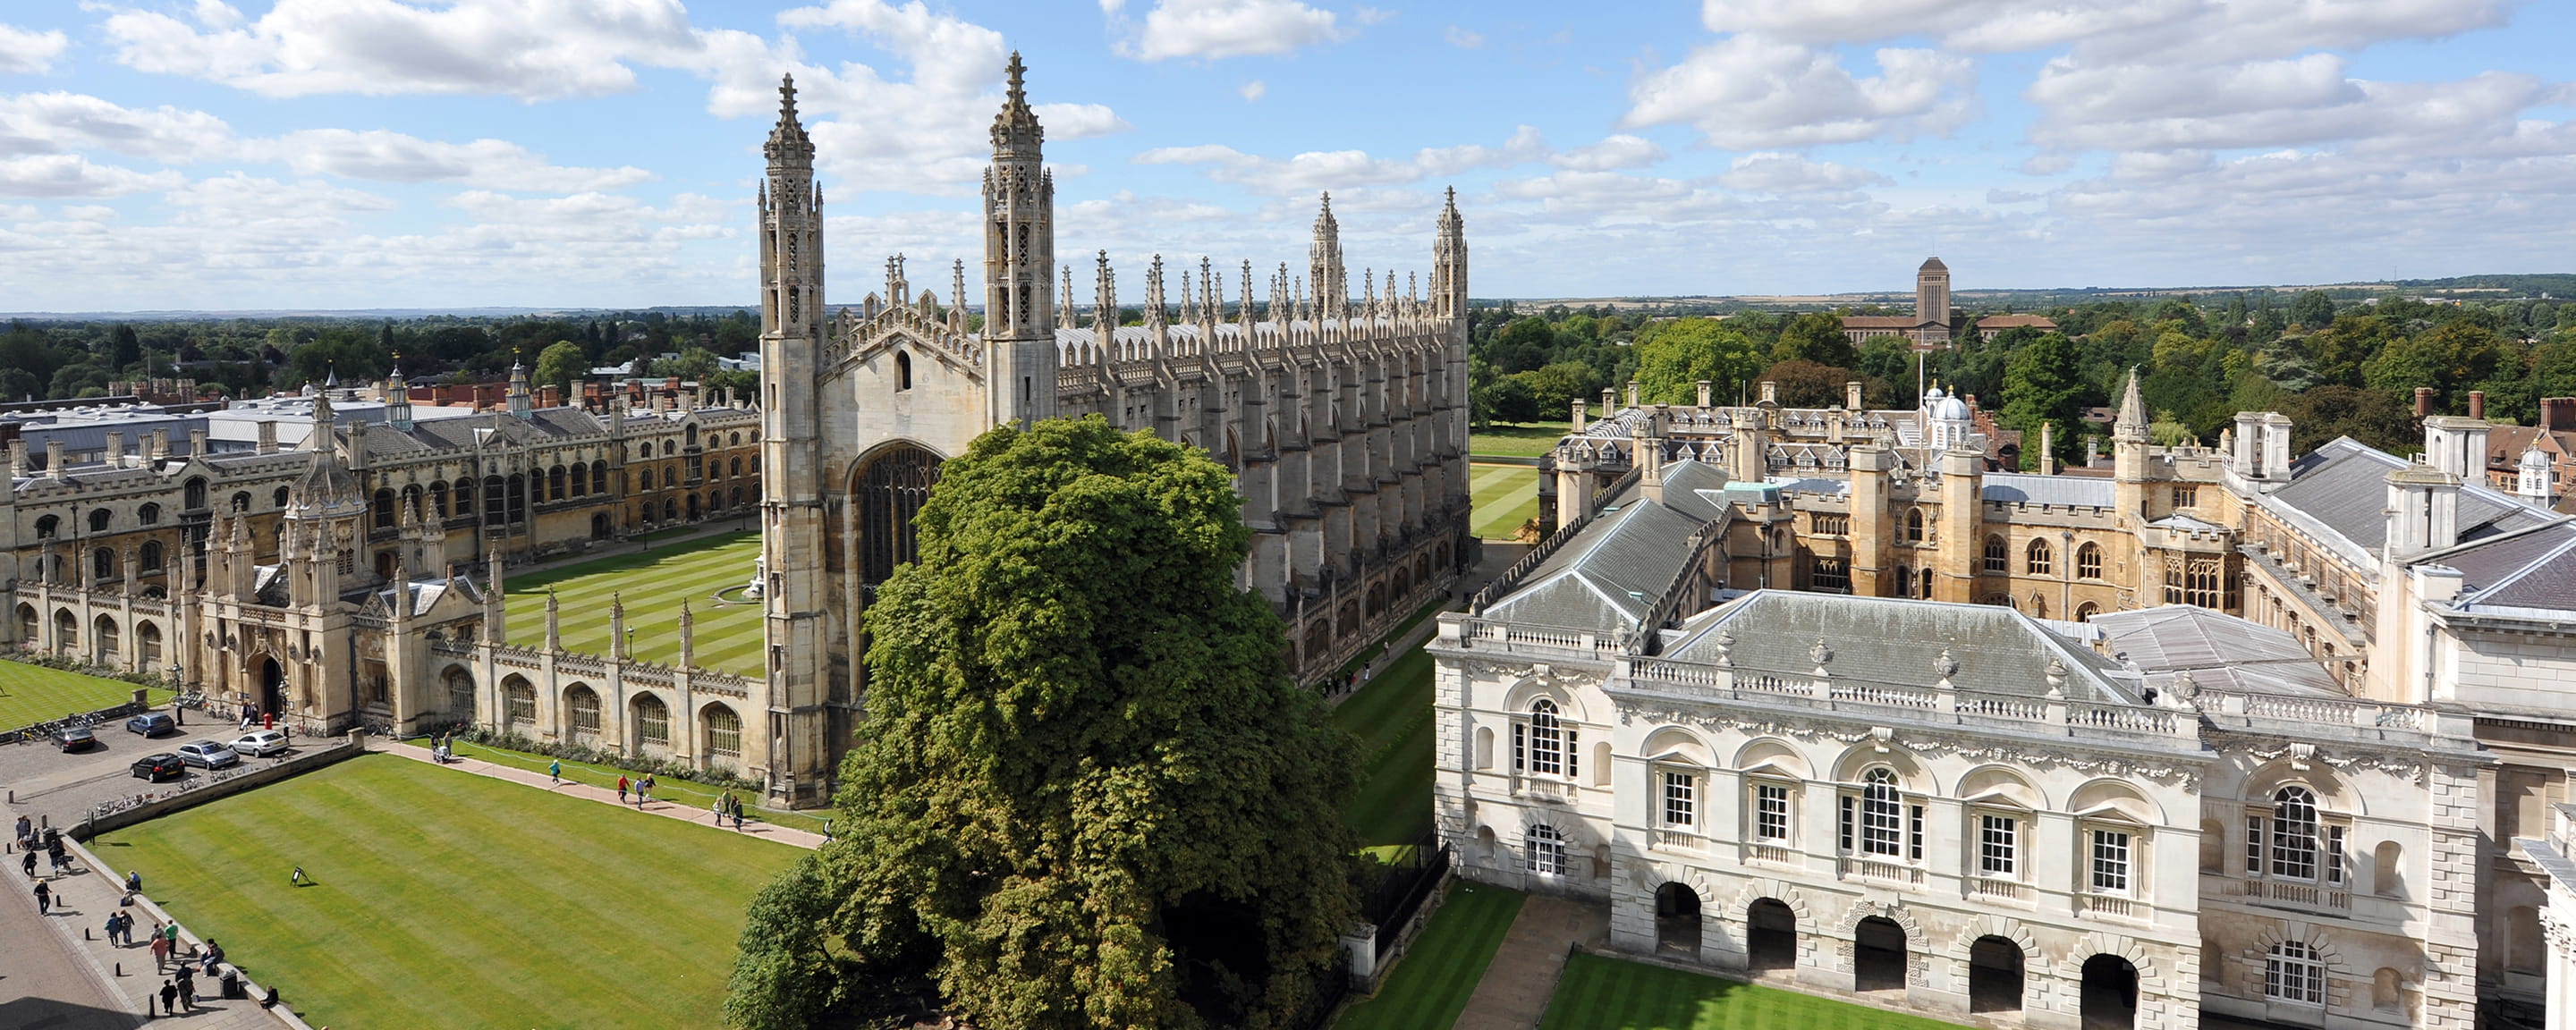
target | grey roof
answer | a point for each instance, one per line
(2529, 571)
(2219, 650)
(1795, 484)
(1609, 575)
(1899, 642)
(2060, 491)
(2342, 488)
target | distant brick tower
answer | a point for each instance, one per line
(1932, 302)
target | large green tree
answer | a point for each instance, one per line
(561, 364)
(1086, 793)
(1672, 357)
(2041, 386)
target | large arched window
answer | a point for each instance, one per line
(2295, 972)
(584, 704)
(1546, 850)
(102, 564)
(149, 514)
(2038, 559)
(521, 698)
(48, 527)
(98, 519)
(2302, 846)
(1881, 830)
(1543, 744)
(193, 495)
(579, 481)
(1997, 560)
(652, 720)
(2088, 561)
(724, 731)
(891, 489)
(599, 478)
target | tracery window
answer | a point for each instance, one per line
(2196, 582)
(2039, 559)
(2088, 562)
(1997, 560)
(1832, 574)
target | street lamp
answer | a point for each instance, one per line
(175, 690)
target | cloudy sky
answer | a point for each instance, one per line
(199, 154)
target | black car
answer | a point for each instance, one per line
(152, 724)
(74, 738)
(159, 767)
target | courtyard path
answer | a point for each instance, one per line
(1523, 975)
(61, 973)
(605, 795)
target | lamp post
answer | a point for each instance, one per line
(176, 688)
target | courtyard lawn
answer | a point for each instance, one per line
(447, 899)
(652, 585)
(1503, 497)
(1392, 719)
(1601, 993)
(678, 791)
(31, 694)
(1430, 985)
(1516, 440)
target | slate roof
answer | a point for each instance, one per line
(1898, 641)
(2061, 491)
(2529, 572)
(2220, 651)
(2342, 489)
(1615, 570)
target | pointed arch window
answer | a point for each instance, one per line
(2088, 561)
(902, 371)
(1913, 525)
(1998, 561)
(2039, 559)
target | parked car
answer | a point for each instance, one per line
(261, 744)
(74, 738)
(207, 754)
(159, 767)
(152, 724)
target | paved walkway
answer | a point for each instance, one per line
(86, 981)
(1523, 975)
(604, 795)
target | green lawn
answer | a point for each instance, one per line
(32, 694)
(1429, 986)
(1517, 440)
(1392, 718)
(1600, 993)
(676, 791)
(447, 899)
(1504, 497)
(652, 584)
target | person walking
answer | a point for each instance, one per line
(44, 898)
(30, 863)
(645, 792)
(110, 928)
(621, 789)
(188, 986)
(170, 934)
(554, 773)
(169, 998)
(160, 950)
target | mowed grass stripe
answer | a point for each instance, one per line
(1430, 985)
(1602, 993)
(652, 586)
(1392, 717)
(446, 899)
(31, 694)
(1503, 497)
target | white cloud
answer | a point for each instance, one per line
(71, 175)
(1340, 169)
(1211, 29)
(393, 157)
(1747, 93)
(1772, 172)
(29, 52)
(2168, 31)
(1613, 152)
(55, 122)
(1254, 90)
(1463, 39)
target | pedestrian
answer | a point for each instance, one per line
(554, 772)
(169, 998)
(30, 863)
(297, 878)
(621, 789)
(646, 794)
(170, 934)
(827, 829)
(188, 987)
(160, 950)
(26, 830)
(44, 898)
(108, 929)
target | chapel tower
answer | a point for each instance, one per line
(1019, 259)
(792, 504)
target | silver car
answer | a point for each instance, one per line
(260, 744)
(207, 754)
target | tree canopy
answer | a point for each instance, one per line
(1085, 792)
(1672, 357)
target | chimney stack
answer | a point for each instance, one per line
(2423, 401)
(197, 442)
(1703, 392)
(1851, 395)
(267, 436)
(2558, 414)
(54, 458)
(115, 447)
(2477, 404)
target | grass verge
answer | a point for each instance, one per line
(1516, 440)
(727, 632)
(1392, 719)
(1429, 987)
(444, 900)
(32, 694)
(1600, 993)
(678, 791)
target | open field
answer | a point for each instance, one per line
(447, 899)
(1430, 985)
(1503, 496)
(1517, 439)
(32, 694)
(652, 585)
(1601, 993)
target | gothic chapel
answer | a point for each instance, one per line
(1344, 419)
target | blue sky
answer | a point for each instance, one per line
(196, 154)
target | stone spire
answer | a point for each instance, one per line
(1104, 310)
(1449, 262)
(788, 144)
(1324, 256)
(2131, 426)
(1016, 133)
(1019, 250)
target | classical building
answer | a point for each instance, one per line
(2229, 732)
(1935, 324)
(336, 557)
(1343, 417)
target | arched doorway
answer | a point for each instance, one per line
(272, 686)
(1994, 975)
(891, 488)
(1677, 919)
(1878, 955)
(2110, 993)
(1771, 935)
